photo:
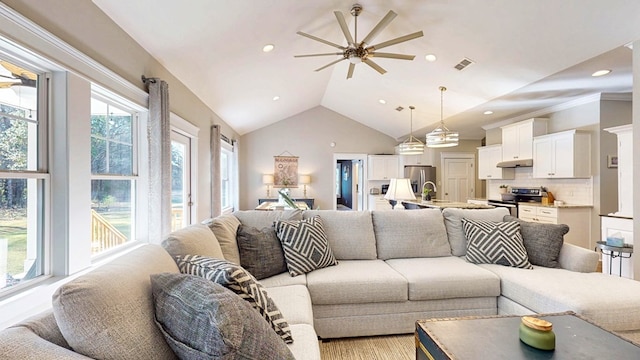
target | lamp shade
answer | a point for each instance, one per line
(305, 179)
(267, 179)
(400, 189)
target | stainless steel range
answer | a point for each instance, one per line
(511, 199)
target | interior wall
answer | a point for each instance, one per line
(85, 27)
(309, 136)
(612, 113)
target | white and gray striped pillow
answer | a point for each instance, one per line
(240, 281)
(490, 242)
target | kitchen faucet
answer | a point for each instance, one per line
(432, 184)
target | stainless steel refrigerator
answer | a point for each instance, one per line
(419, 174)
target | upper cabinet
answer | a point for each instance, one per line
(488, 157)
(517, 138)
(383, 167)
(566, 154)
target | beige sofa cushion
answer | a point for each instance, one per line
(410, 234)
(453, 222)
(446, 278)
(350, 233)
(356, 282)
(21, 343)
(108, 313)
(193, 240)
(225, 227)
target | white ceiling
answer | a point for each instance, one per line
(528, 55)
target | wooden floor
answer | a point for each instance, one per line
(393, 347)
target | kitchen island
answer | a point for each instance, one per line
(442, 204)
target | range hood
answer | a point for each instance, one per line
(515, 163)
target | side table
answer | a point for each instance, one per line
(623, 252)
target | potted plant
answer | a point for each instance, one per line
(426, 194)
(503, 189)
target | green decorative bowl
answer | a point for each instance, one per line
(537, 333)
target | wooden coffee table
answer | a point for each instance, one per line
(497, 337)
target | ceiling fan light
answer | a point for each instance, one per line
(355, 59)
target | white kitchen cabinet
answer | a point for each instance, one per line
(577, 218)
(517, 138)
(383, 167)
(378, 202)
(566, 154)
(625, 169)
(488, 157)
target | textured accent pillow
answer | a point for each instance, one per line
(203, 320)
(305, 245)
(241, 282)
(225, 227)
(542, 241)
(260, 251)
(490, 242)
(194, 239)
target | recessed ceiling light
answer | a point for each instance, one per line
(430, 57)
(601, 72)
(268, 48)
(488, 112)
(382, 101)
(276, 98)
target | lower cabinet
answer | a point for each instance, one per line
(577, 218)
(380, 203)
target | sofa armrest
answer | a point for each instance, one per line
(21, 343)
(576, 258)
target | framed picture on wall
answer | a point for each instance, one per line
(612, 161)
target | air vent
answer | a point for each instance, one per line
(463, 64)
(399, 108)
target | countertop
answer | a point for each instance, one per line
(448, 204)
(565, 205)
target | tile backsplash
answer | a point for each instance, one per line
(571, 191)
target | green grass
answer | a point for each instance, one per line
(121, 220)
(14, 229)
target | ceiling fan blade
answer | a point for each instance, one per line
(321, 40)
(350, 72)
(310, 55)
(18, 71)
(395, 41)
(5, 85)
(392, 56)
(329, 64)
(345, 29)
(374, 65)
(379, 27)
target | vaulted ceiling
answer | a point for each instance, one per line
(528, 55)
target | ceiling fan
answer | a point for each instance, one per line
(18, 76)
(357, 52)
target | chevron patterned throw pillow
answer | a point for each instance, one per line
(241, 282)
(305, 245)
(499, 243)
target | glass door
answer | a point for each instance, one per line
(180, 181)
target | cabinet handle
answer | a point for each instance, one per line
(488, 176)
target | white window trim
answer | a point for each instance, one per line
(232, 180)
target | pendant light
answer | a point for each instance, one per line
(442, 136)
(411, 146)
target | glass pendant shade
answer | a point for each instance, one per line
(441, 136)
(411, 146)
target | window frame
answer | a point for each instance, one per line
(228, 150)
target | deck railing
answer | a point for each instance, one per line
(104, 235)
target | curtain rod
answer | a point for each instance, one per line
(148, 80)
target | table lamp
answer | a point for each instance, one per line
(304, 180)
(267, 179)
(399, 189)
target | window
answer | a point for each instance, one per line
(23, 175)
(113, 173)
(227, 170)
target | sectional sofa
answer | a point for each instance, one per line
(393, 268)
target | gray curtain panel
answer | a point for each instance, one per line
(158, 132)
(216, 181)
